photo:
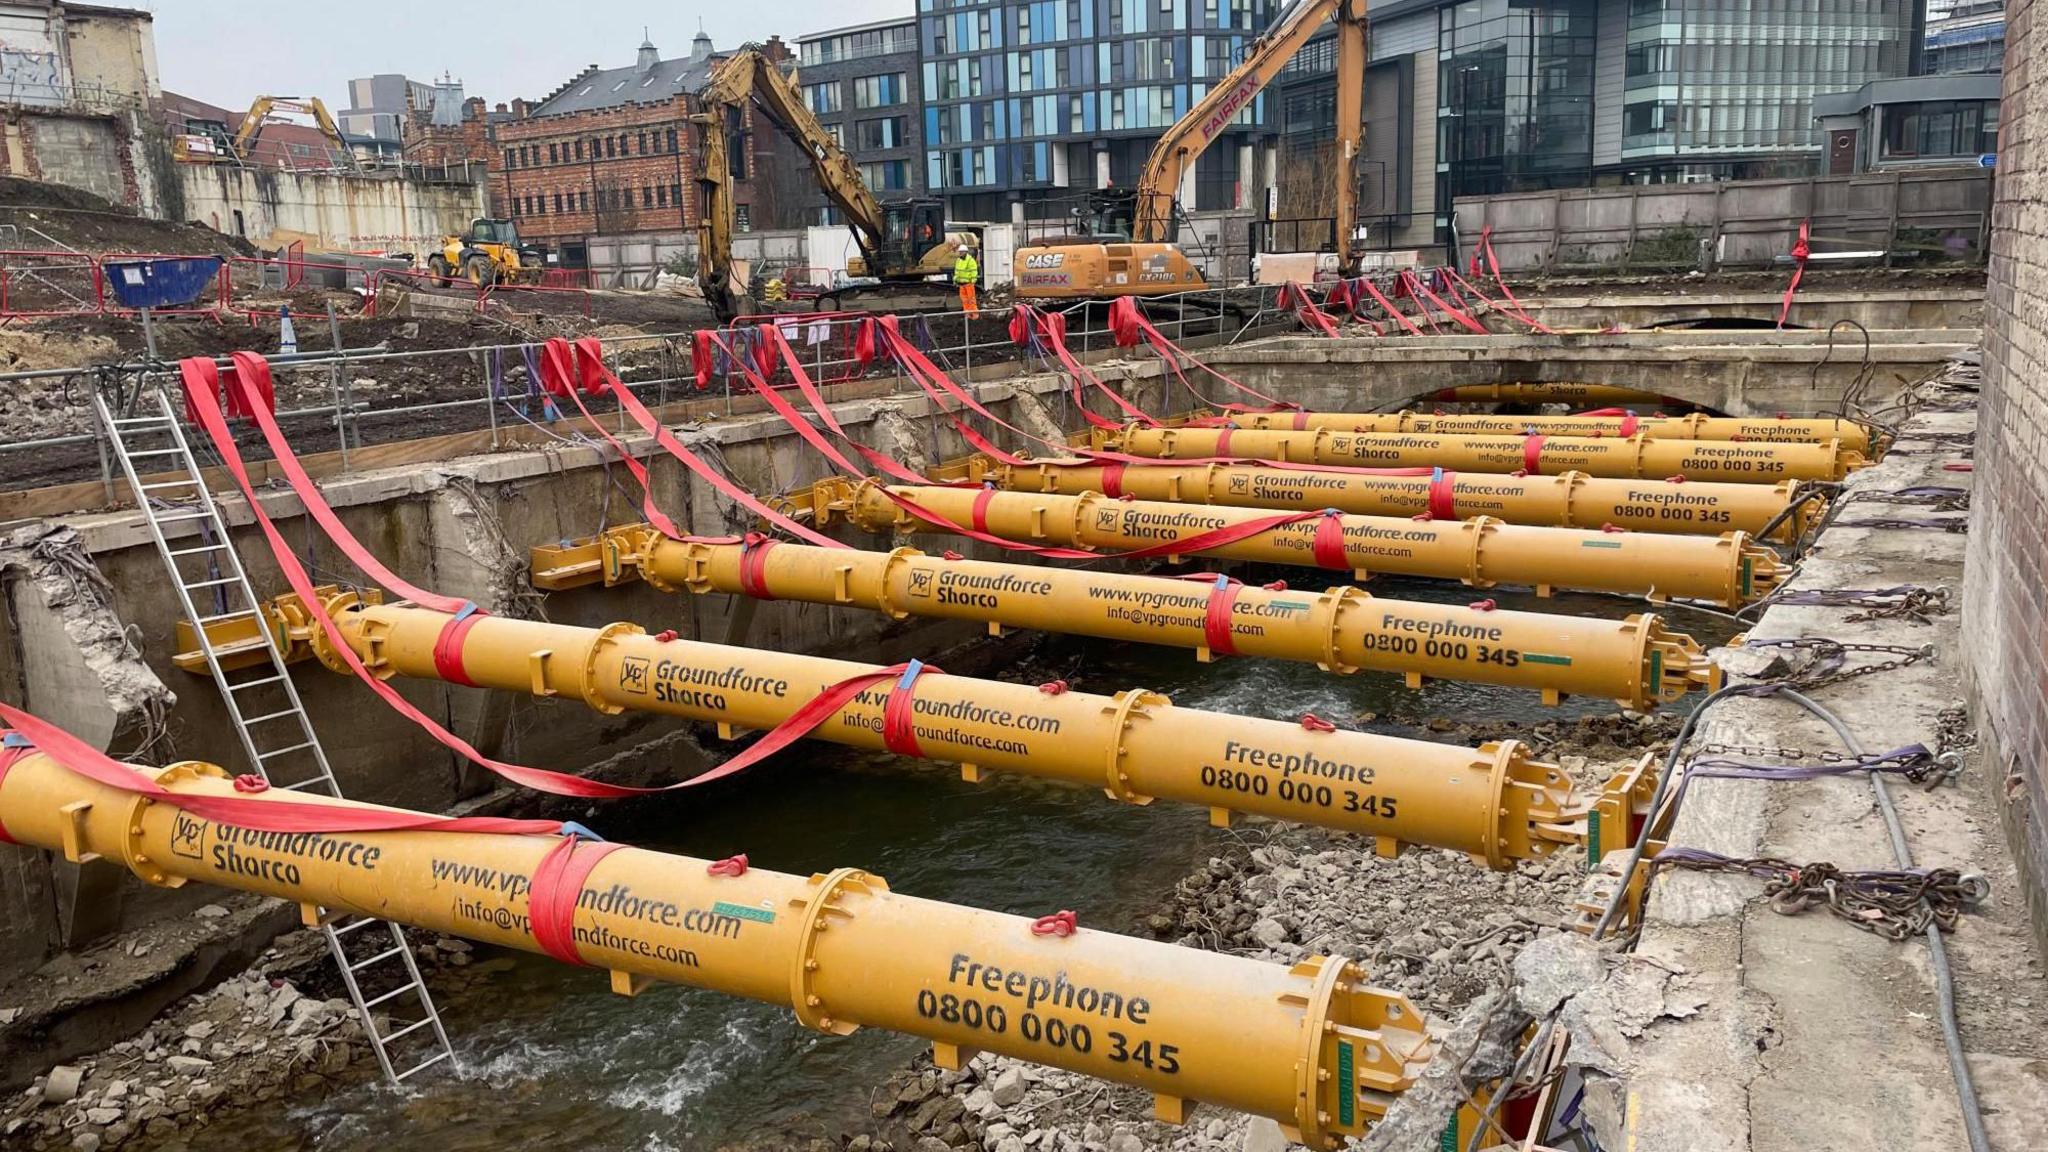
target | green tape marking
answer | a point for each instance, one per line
(742, 912)
(1601, 544)
(1545, 658)
(1347, 1091)
(1449, 1143)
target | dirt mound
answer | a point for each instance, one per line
(58, 217)
(27, 350)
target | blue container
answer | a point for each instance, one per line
(170, 282)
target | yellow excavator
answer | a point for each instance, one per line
(1125, 246)
(905, 249)
(237, 149)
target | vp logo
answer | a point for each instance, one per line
(1105, 519)
(633, 675)
(922, 581)
(1240, 484)
(188, 837)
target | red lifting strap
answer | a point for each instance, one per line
(1217, 632)
(899, 715)
(448, 647)
(1630, 425)
(730, 866)
(1058, 924)
(1223, 439)
(701, 358)
(1330, 551)
(1532, 455)
(557, 887)
(262, 815)
(754, 566)
(8, 755)
(982, 500)
(1443, 495)
(1301, 421)
(1113, 481)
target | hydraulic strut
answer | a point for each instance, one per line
(1494, 803)
(1573, 500)
(1483, 552)
(1636, 662)
(1311, 1046)
(1781, 430)
(1627, 457)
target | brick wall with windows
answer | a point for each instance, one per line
(613, 151)
(2005, 641)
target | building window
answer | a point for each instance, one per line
(579, 147)
(824, 99)
(643, 143)
(878, 91)
(872, 135)
(553, 155)
(558, 203)
(583, 199)
(675, 194)
(647, 196)
(611, 148)
(511, 158)
(661, 196)
(673, 145)
(886, 175)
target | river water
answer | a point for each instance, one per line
(549, 1050)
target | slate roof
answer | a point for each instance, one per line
(619, 87)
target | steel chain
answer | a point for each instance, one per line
(1830, 658)
(1893, 904)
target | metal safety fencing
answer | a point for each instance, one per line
(331, 399)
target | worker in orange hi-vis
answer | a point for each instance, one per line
(966, 274)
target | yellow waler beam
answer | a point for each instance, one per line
(1636, 662)
(1636, 456)
(1312, 1046)
(1729, 570)
(1599, 395)
(1495, 804)
(1573, 500)
(1781, 430)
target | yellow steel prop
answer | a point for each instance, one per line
(1636, 662)
(1312, 1046)
(1494, 803)
(1853, 436)
(1595, 395)
(1635, 456)
(1729, 570)
(1573, 500)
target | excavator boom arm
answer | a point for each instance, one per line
(751, 75)
(1175, 154)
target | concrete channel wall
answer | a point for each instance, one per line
(92, 604)
(1739, 373)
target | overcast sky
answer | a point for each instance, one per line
(230, 51)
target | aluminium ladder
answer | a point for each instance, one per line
(277, 736)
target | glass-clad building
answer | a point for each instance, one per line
(1041, 99)
(1725, 88)
(1515, 94)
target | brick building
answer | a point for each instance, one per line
(613, 152)
(431, 140)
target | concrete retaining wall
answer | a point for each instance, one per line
(1743, 223)
(328, 210)
(1733, 372)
